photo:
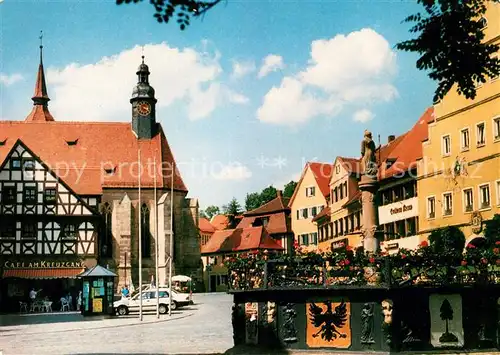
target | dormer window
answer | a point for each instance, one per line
(72, 142)
(389, 163)
(110, 171)
(3, 141)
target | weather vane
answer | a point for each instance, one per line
(142, 51)
(41, 39)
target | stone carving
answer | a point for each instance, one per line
(289, 330)
(367, 324)
(387, 307)
(368, 160)
(271, 312)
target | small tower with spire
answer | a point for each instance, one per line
(143, 105)
(40, 112)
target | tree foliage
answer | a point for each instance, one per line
(211, 211)
(232, 208)
(492, 230)
(450, 44)
(252, 201)
(167, 10)
(449, 242)
(289, 189)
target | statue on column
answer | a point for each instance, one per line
(368, 159)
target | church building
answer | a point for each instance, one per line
(69, 199)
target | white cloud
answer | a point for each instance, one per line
(233, 171)
(10, 79)
(100, 91)
(353, 69)
(363, 115)
(271, 63)
(240, 69)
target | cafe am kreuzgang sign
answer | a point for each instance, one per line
(43, 264)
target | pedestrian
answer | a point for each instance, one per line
(125, 291)
(69, 298)
(79, 301)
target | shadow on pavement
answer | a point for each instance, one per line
(43, 318)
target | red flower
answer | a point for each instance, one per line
(255, 252)
(463, 263)
(341, 263)
(347, 262)
(351, 268)
(341, 245)
(424, 244)
(348, 247)
(471, 246)
(497, 242)
(498, 261)
(496, 250)
(484, 261)
(372, 260)
(403, 256)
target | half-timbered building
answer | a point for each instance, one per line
(69, 199)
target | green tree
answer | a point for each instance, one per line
(232, 208)
(211, 211)
(449, 242)
(492, 230)
(268, 194)
(450, 35)
(202, 214)
(289, 189)
(252, 201)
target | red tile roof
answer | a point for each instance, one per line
(408, 151)
(205, 226)
(220, 221)
(322, 173)
(240, 239)
(279, 203)
(277, 223)
(100, 146)
(325, 212)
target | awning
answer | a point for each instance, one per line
(70, 273)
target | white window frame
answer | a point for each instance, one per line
(309, 189)
(471, 189)
(443, 145)
(464, 148)
(481, 196)
(427, 206)
(477, 134)
(337, 169)
(444, 203)
(497, 184)
(496, 134)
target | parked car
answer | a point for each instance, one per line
(131, 304)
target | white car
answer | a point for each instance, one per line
(131, 304)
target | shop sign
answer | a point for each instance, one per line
(43, 264)
(342, 243)
(398, 211)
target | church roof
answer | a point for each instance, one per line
(91, 156)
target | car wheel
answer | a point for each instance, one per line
(163, 309)
(174, 306)
(122, 310)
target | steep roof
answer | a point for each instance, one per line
(220, 221)
(205, 226)
(277, 222)
(322, 173)
(279, 203)
(240, 239)
(98, 147)
(409, 150)
(325, 212)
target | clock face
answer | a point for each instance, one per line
(143, 108)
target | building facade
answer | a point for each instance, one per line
(69, 198)
(459, 174)
(311, 195)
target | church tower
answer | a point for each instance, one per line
(143, 105)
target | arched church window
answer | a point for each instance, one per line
(146, 232)
(106, 245)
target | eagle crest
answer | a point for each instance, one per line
(329, 321)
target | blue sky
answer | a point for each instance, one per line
(236, 122)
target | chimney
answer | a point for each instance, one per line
(279, 194)
(391, 138)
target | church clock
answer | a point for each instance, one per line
(143, 108)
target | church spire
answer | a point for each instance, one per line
(40, 99)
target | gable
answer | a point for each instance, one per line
(306, 183)
(339, 171)
(38, 190)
